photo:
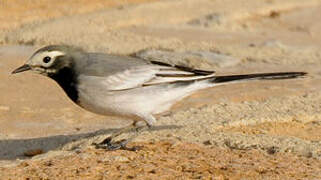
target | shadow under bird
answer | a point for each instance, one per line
(125, 86)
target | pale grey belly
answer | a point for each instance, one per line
(134, 102)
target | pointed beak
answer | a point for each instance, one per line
(25, 67)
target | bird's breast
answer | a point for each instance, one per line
(66, 79)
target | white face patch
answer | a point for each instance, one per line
(43, 71)
(44, 59)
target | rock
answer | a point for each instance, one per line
(121, 159)
(33, 152)
(207, 143)
(115, 158)
(271, 150)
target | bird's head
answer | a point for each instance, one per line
(50, 60)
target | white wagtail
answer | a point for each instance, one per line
(125, 86)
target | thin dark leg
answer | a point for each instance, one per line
(108, 143)
(118, 133)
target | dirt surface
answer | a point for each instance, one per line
(253, 130)
(15, 13)
(167, 160)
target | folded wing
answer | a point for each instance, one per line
(151, 73)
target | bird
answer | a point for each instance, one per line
(125, 86)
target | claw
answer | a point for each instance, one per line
(112, 146)
(106, 141)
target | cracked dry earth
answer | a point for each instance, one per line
(253, 130)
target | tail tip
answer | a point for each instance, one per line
(299, 74)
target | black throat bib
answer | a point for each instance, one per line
(66, 78)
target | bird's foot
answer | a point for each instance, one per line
(111, 145)
(107, 144)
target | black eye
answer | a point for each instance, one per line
(46, 59)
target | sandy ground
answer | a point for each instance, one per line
(254, 130)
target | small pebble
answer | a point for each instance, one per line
(207, 143)
(33, 152)
(274, 14)
(271, 150)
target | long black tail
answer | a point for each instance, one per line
(260, 76)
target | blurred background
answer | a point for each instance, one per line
(228, 36)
